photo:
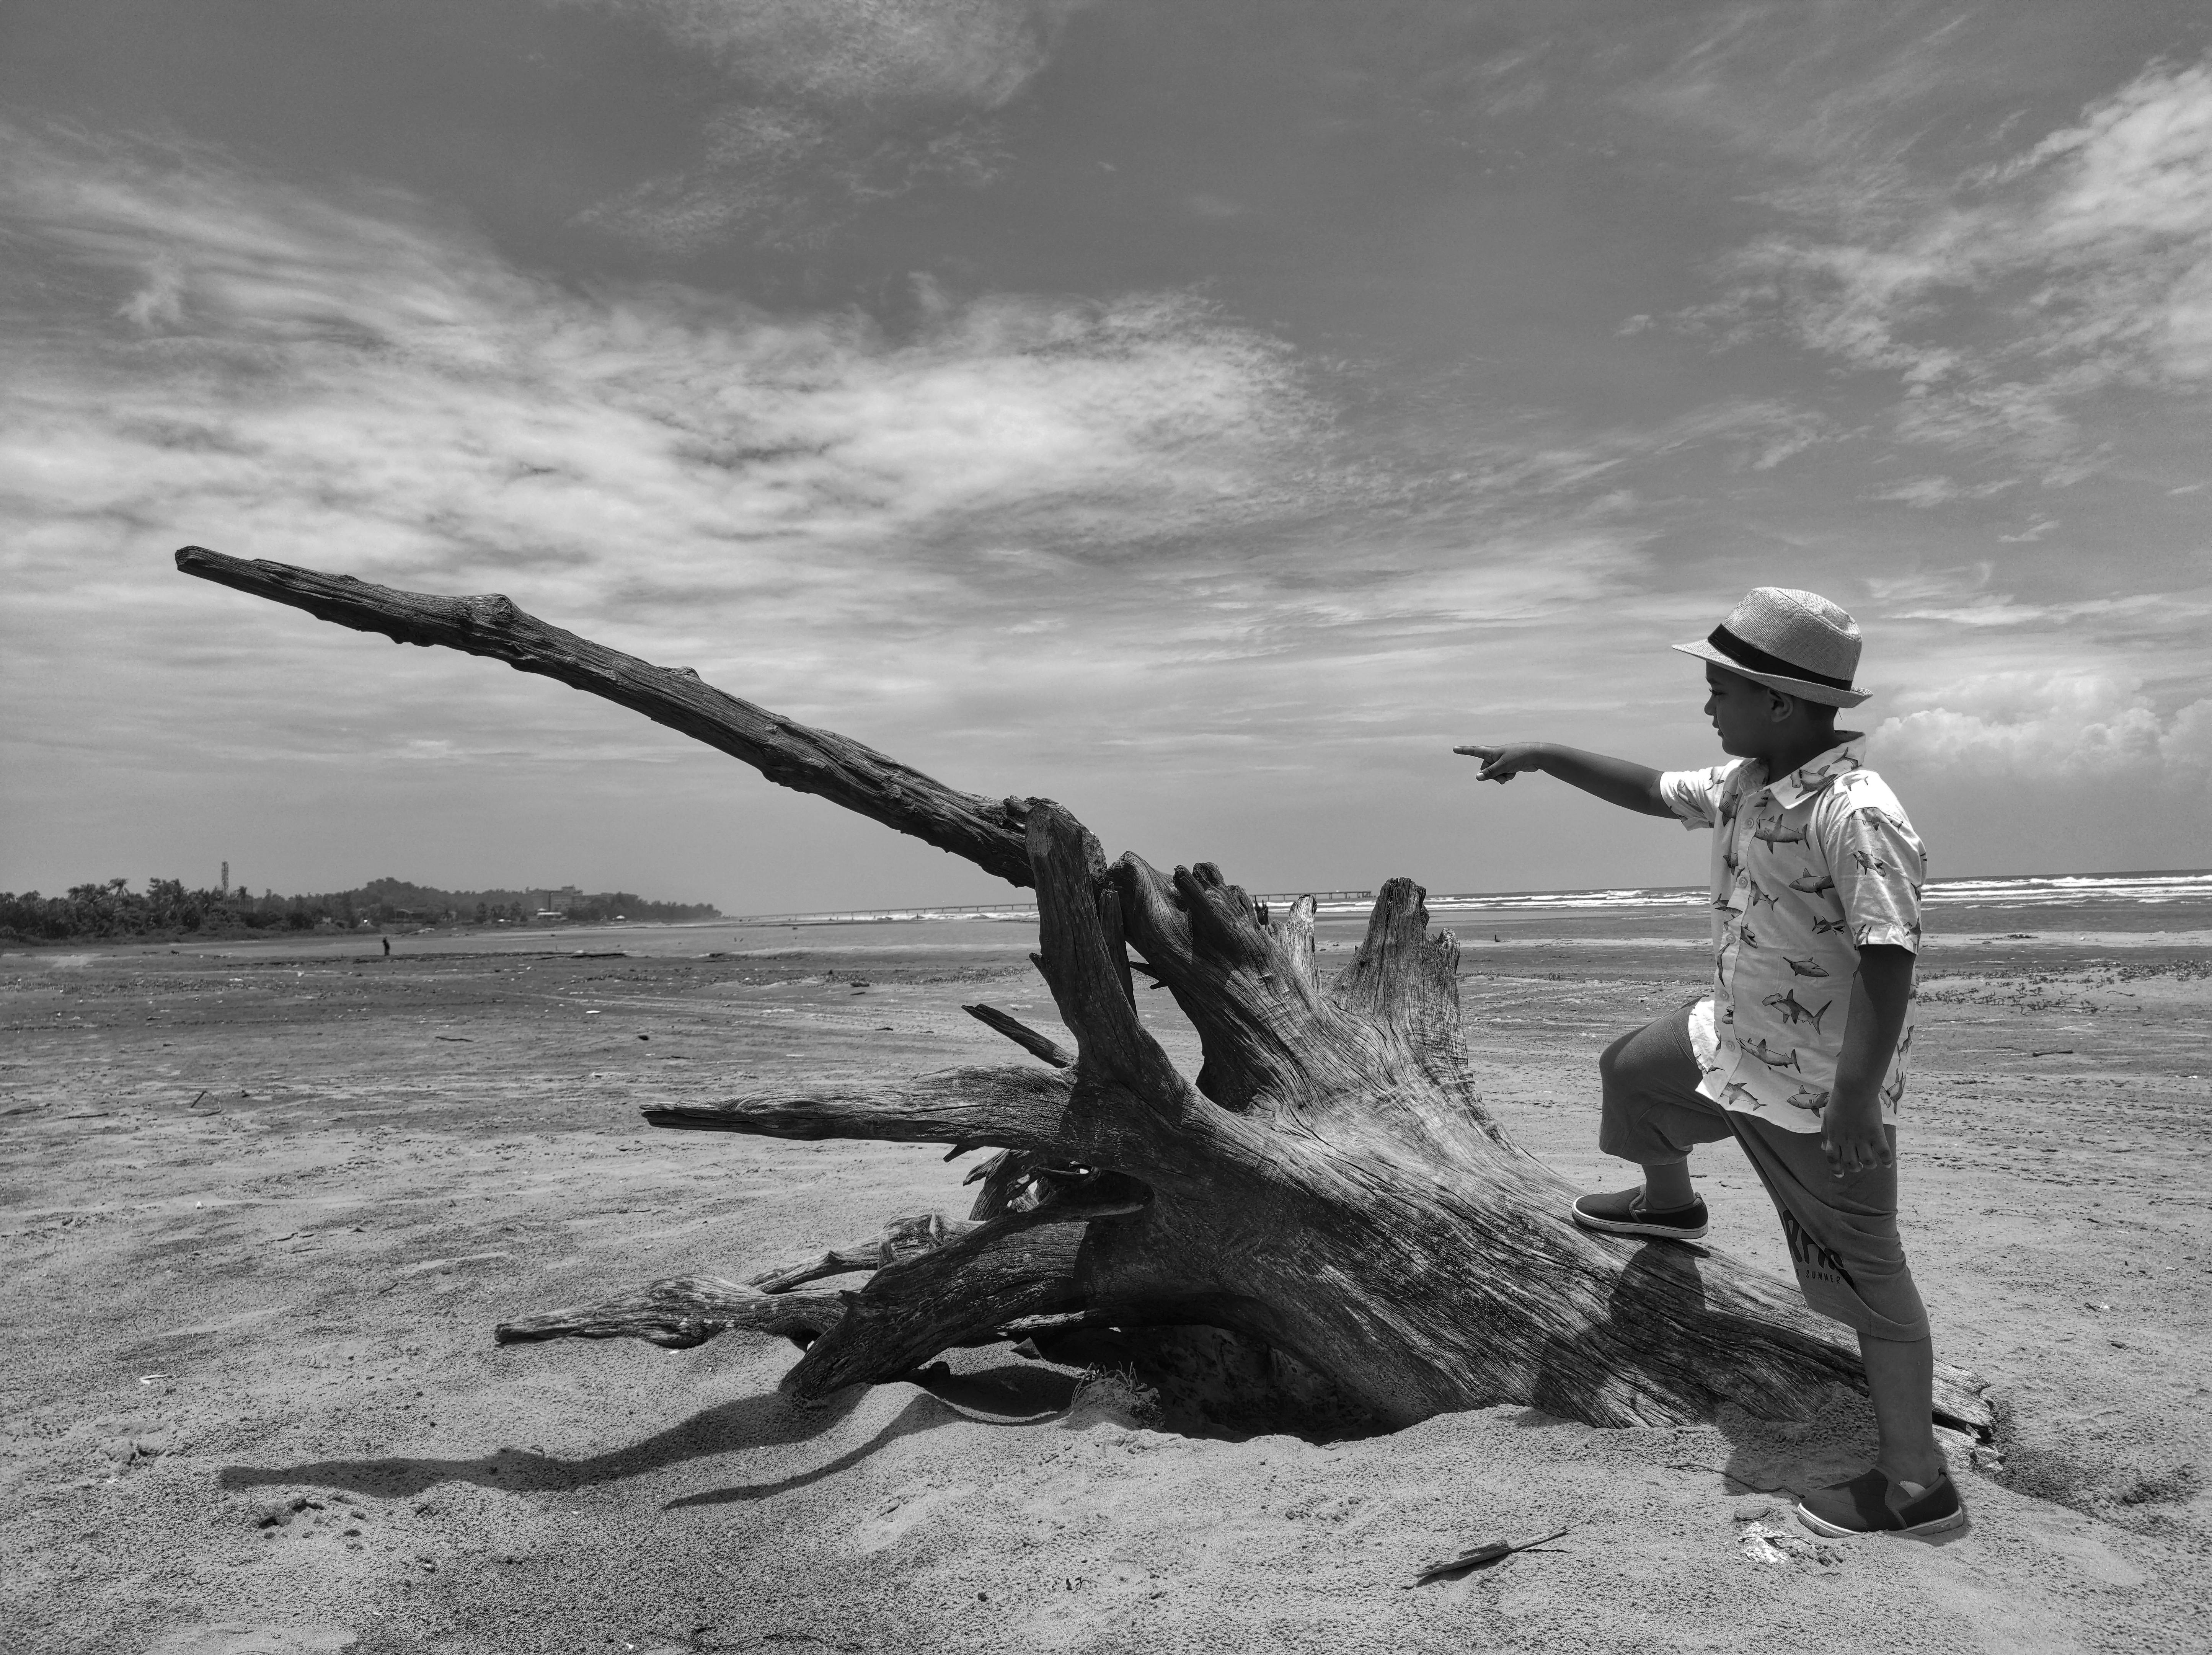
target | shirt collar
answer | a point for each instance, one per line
(1803, 782)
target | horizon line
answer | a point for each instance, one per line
(1343, 896)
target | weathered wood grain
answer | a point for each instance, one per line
(682, 1311)
(1008, 1108)
(901, 1238)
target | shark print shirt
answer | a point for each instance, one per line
(1807, 870)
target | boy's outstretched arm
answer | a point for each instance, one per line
(1850, 1126)
(1616, 781)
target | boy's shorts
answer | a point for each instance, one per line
(1842, 1231)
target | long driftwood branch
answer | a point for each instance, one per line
(901, 1238)
(938, 1285)
(1008, 1108)
(682, 1311)
(987, 832)
(1036, 1044)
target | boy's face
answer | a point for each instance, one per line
(1742, 712)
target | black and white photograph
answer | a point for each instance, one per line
(1105, 826)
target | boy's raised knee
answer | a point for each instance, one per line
(1609, 1060)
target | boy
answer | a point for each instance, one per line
(1800, 1053)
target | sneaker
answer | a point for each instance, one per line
(1871, 1504)
(1623, 1213)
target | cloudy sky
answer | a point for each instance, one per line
(1203, 413)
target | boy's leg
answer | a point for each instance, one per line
(1851, 1264)
(1667, 1184)
(1901, 1383)
(1653, 1115)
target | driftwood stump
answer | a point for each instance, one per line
(1328, 1185)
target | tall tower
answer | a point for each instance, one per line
(225, 887)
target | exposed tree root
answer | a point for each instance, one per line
(1327, 1187)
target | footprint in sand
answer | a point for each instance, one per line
(888, 1524)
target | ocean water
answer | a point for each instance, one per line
(2187, 890)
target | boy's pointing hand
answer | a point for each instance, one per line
(1502, 764)
(1616, 781)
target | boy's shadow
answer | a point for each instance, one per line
(1009, 1395)
(1654, 1307)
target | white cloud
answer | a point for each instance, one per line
(2127, 208)
(973, 54)
(2001, 299)
(1072, 520)
(840, 103)
(855, 526)
(2055, 728)
(1925, 494)
(786, 179)
(303, 371)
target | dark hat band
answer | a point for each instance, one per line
(1758, 660)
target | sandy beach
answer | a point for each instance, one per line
(265, 1202)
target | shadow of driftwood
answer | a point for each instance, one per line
(1012, 1394)
(758, 1421)
(921, 1414)
(1006, 1396)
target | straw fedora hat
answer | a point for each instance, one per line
(1796, 642)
